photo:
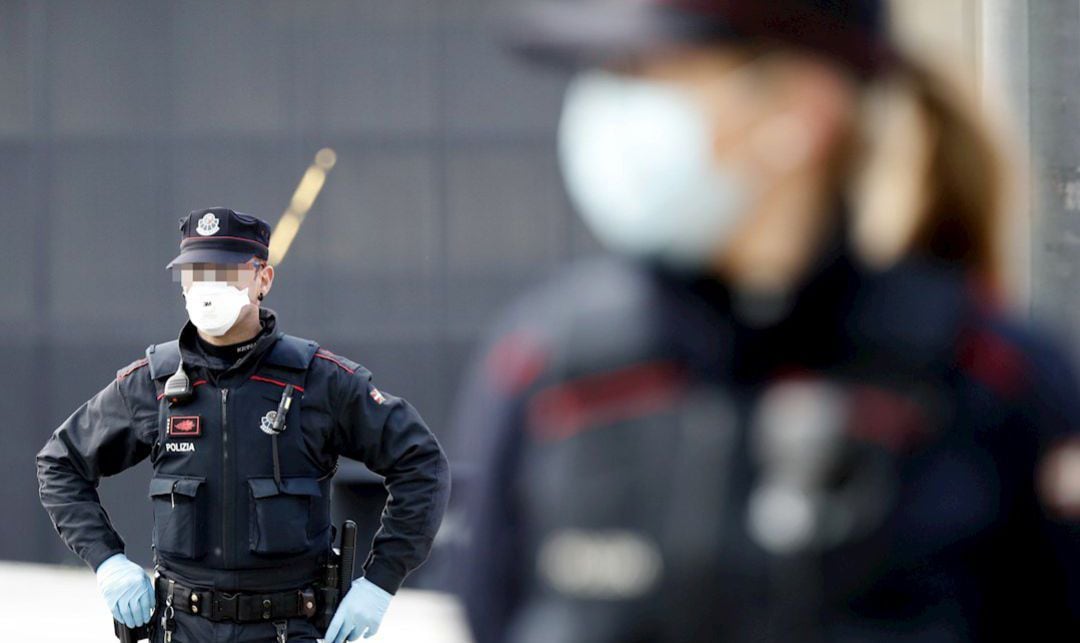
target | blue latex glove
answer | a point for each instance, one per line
(127, 590)
(359, 613)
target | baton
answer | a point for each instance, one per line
(348, 556)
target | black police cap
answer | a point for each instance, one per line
(853, 33)
(221, 235)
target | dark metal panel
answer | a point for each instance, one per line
(15, 97)
(17, 249)
(233, 66)
(368, 77)
(104, 271)
(106, 61)
(489, 92)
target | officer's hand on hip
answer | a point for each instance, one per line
(127, 590)
(359, 613)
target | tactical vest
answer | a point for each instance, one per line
(217, 505)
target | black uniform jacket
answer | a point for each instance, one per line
(661, 461)
(221, 518)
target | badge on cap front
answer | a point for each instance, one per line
(208, 225)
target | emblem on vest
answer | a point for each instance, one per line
(184, 426)
(267, 422)
(179, 447)
(208, 225)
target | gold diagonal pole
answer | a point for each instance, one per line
(302, 199)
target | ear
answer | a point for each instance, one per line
(266, 281)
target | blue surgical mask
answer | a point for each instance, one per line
(638, 163)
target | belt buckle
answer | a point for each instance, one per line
(226, 606)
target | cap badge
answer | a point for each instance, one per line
(208, 225)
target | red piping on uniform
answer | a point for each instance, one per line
(515, 362)
(323, 355)
(260, 378)
(565, 410)
(186, 239)
(887, 418)
(193, 385)
(134, 367)
(994, 361)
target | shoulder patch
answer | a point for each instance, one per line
(344, 363)
(131, 368)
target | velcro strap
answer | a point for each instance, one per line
(264, 607)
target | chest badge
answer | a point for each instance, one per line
(267, 423)
(185, 426)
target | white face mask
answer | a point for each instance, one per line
(638, 164)
(214, 306)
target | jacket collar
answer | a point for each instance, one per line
(193, 355)
(845, 318)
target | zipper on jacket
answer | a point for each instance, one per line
(226, 505)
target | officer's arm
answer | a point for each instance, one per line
(388, 435)
(101, 438)
(489, 573)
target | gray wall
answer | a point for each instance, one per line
(117, 117)
(1052, 51)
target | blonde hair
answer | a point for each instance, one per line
(934, 179)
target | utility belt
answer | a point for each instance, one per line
(317, 601)
(237, 607)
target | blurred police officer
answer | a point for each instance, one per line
(244, 426)
(775, 414)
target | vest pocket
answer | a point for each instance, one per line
(178, 516)
(280, 518)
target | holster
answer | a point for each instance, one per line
(128, 635)
(337, 576)
(326, 591)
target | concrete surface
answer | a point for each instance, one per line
(54, 604)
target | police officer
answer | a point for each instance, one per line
(244, 426)
(776, 413)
